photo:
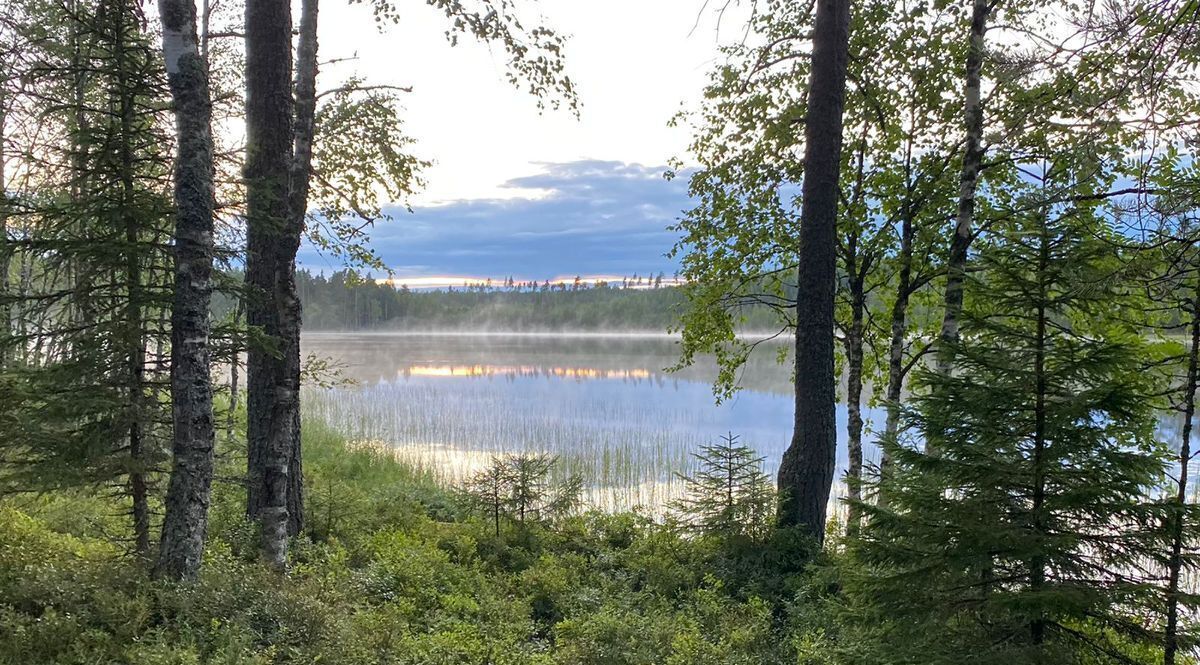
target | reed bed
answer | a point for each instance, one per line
(628, 437)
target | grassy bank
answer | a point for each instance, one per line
(396, 569)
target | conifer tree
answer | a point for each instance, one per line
(728, 495)
(1024, 538)
(83, 394)
(518, 488)
(489, 489)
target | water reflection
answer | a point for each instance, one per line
(458, 371)
(373, 357)
(607, 406)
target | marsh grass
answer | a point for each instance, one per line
(628, 450)
(604, 406)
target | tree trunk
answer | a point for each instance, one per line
(807, 469)
(271, 394)
(295, 489)
(80, 305)
(281, 182)
(899, 333)
(24, 285)
(183, 531)
(135, 330)
(300, 176)
(7, 343)
(1178, 523)
(235, 359)
(956, 266)
(854, 387)
(856, 267)
(1037, 563)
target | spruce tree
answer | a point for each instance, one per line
(519, 488)
(83, 393)
(728, 495)
(1023, 538)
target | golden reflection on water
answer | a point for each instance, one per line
(523, 370)
(455, 466)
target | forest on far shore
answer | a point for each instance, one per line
(346, 301)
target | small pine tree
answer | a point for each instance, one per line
(518, 488)
(1019, 536)
(529, 486)
(488, 489)
(728, 495)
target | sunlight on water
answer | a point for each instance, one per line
(524, 370)
(604, 405)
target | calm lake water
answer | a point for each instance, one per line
(604, 404)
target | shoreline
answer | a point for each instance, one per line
(646, 334)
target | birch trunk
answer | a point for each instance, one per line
(854, 388)
(185, 522)
(279, 181)
(899, 334)
(956, 267)
(299, 179)
(807, 469)
(1178, 525)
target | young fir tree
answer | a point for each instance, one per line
(519, 488)
(1022, 539)
(729, 495)
(84, 393)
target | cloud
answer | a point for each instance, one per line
(584, 217)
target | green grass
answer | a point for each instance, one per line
(394, 569)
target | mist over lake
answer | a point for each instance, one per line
(606, 404)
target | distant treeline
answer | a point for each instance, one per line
(346, 301)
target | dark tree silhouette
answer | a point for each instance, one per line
(807, 469)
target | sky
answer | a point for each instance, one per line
(518, 192)
(598, 219)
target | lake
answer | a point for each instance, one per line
(606, 405)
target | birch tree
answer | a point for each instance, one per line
(182, 545)
(968, 181)
(271, 244)
(282, 159)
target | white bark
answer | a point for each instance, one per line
(972, 164)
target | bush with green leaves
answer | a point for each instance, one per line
(402, 573)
